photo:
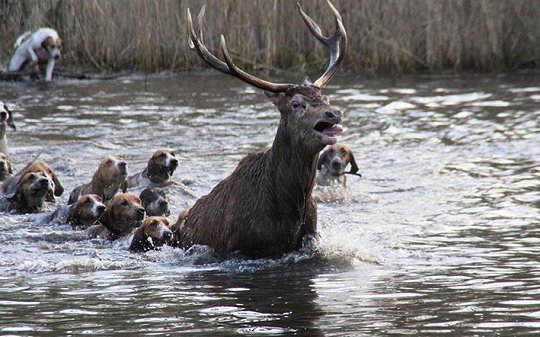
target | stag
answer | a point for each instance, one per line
(265, 208)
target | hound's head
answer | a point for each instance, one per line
(153, 233)
(53, 45)
(41, 166)
(6, 119)
(162, 164)
(112, 171)
(88, 209)
(123, 214)
(335, 158)
(5, 167)
(154, 202)
(31, 191)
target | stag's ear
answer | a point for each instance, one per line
(306, 81)
(271, 95)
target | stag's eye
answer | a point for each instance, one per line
(296, 105)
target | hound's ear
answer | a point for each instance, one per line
(46, 42)
(10, 121)
(124, 186)
(322, 159)
(354, 166)
(58, 188)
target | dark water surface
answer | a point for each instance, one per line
(441, 236)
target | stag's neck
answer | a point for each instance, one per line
(293, 168)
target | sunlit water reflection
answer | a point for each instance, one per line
(439, 238)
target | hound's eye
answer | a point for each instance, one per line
(125, 203)
(108, 162)
(173, 153)
(163, 155)
(154, 224)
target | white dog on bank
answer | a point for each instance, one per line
(41, 47)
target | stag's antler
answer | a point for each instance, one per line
(337, 52)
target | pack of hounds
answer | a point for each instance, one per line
(264, 208)
(103, 207)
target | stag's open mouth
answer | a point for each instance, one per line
(327, 132)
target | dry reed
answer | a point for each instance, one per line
(384, 35)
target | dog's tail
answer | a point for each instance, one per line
(20, 40)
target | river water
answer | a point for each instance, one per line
(440, 237)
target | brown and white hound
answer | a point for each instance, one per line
(154, 202)
(109, 177)
(123, 215)
(30, 194)
(153, 234)
(82, 214)
(158, 171)
(332, 163)
(35, 49)
(6, 170)
(6, 119)
(36, 166)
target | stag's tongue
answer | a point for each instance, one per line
(333, 131)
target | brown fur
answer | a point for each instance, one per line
(10, 184)
(30, 194)
(153, 234)
(109, 177)
(6, 170)
(332, 163)
(123, 215)
(265, 208)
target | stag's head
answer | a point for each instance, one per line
(306, 114)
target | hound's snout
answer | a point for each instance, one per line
(44, 182)
(167, 235)
(101, 209)
(336, 164)
(140, 212)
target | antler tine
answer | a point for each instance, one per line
(248, 78)
(196, 43)
(337, 51)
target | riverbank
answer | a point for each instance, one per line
(387, 36)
